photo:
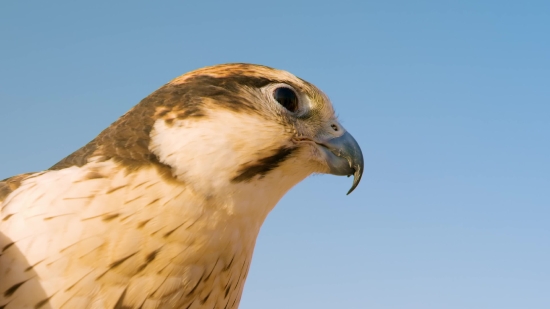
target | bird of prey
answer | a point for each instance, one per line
(162, 209)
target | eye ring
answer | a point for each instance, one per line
(287, 98)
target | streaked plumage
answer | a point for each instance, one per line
(162, 209)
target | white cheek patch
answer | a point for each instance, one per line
(208, 151)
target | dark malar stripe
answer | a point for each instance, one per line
(263, 166)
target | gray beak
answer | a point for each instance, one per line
(344, 157)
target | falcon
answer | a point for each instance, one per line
(162, 209)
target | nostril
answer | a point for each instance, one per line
(334, 127)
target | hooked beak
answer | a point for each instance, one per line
(344, 157)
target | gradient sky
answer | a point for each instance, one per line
(450, 101)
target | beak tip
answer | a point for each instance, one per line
(356, 179)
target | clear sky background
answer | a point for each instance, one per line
(450, 101)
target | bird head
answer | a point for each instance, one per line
(249, 124)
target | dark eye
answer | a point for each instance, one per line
(287, 98)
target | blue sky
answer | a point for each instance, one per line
(450, 101)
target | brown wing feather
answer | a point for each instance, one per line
(9, 185)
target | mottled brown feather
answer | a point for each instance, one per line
(9, 185)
